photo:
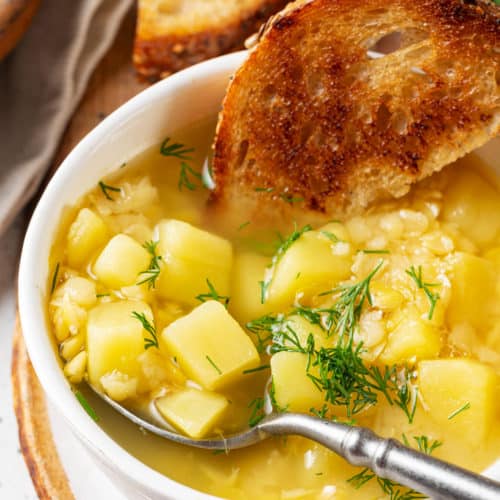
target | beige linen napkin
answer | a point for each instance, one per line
(41, 83)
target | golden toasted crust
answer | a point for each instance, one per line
(15, 18)
(163, 48)
(310, 115)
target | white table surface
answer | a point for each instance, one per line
(15, 483)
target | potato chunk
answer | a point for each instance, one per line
(293, 389)
(448, 385)
(121, 262)
(115, 339)
(192, 256)
(309, 265)
(210, 346)
(248, 269)
(473, 204)
(473, 281)
(193, 412)
(413, 339)
(85, 236)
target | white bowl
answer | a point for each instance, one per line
(145, 120)
(174, 103)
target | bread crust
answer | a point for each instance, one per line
(156, 55)
(15, 18)
(310, 116)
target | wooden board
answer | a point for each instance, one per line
(112, 83)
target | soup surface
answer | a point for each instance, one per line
(388, 320)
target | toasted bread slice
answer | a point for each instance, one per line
(314, 123)
(173, 34)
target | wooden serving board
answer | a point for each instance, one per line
(112, 83)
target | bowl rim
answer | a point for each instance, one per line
(31, 297)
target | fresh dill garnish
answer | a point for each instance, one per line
(150, 328)
(339, 372)
(210, 360)
(54, 278)
(212, 295)
(218, 452)
(184, 181)
(375, 252)
(331, 236)
(464, 407)
(264, 189)
(361, 478)
(86, 406)
(258, 369)
(100, 295)
(175, 149)
(288, 198)
(416, 276)
(257, 411)
(425, 445)
(123, 165)
(105, 188)
(318, 473)
(264, 285)
(406, 399)
(244, 225)
(151, 274)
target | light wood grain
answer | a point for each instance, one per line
(112, 84)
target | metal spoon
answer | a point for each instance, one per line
(359, 446)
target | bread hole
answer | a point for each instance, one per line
(382, 121)
(399, 122)
(314, 84)
(269, 94)
(242, 153)
(306, 132)
(397, 40)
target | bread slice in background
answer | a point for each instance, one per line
(174, 34)
(313, 125)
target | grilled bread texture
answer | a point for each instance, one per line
(174, 34)
(344, 103)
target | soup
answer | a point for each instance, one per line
(388, 320)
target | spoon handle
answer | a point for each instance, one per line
(387, 458)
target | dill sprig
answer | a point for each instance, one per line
(152, 341)
(54, 278)
(425, 445)
(339, 371)
(216, 368)
(416, 276)
(258, 369)
(188, 176)
(86, 406)
(456, 412)
(289, 198)
(264, 189)
(375, 252)
(105, 188)
(331, 236)
(184, 181)
(175, 149)
(152, 273)
(257, 411)
(346, 312)
(212, 295)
